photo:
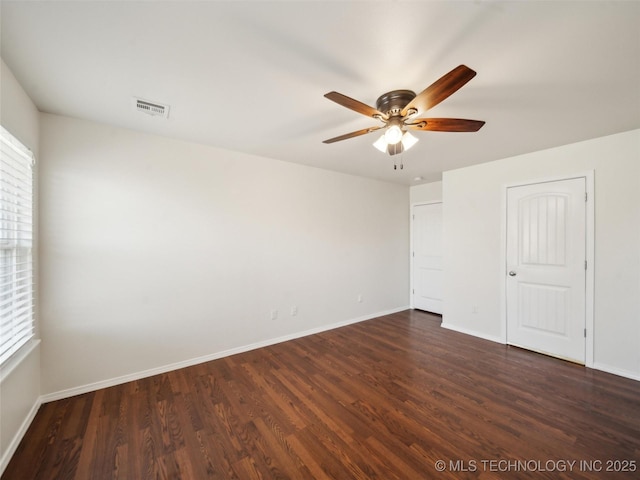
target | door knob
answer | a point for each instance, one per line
(512, 273)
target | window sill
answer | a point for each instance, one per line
(12, 363)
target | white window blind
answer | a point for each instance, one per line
(16, 239)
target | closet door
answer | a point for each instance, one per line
(427, 257)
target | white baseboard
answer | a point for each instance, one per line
(59, 395)
(17, 438)
(466, 331)
(617, 371)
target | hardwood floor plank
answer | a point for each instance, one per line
(89, 438)
(382, 399)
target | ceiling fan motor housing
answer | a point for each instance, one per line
(392, 103)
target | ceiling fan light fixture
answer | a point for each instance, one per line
(406, 142)
(393, 134)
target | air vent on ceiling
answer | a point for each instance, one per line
(151, 108)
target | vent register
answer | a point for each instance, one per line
(151, 108)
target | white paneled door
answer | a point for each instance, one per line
(427, 257)
(546, 267)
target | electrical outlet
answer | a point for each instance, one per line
(274, 314)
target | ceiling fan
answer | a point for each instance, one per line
(398, 109)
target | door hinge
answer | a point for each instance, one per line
(413, 217)
(586, 196)
(413, 291)
(413, 254)
(585, 333)
(585, 264)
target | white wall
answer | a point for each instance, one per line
(20, 376)
(426, 193)
(156, 252)
(473, 204)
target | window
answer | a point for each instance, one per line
(16, 239)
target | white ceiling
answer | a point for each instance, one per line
(250, 76)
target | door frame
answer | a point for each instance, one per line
(589, 251)
(411, 250)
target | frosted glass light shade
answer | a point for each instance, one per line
(381, 144)
(393, 134)
(408, 140)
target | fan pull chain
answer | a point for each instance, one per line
(395, 164)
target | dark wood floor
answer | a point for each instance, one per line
(383, 399)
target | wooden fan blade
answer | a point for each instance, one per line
(354, 105)
(353, 134)
(445, 124)
(440, 89)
